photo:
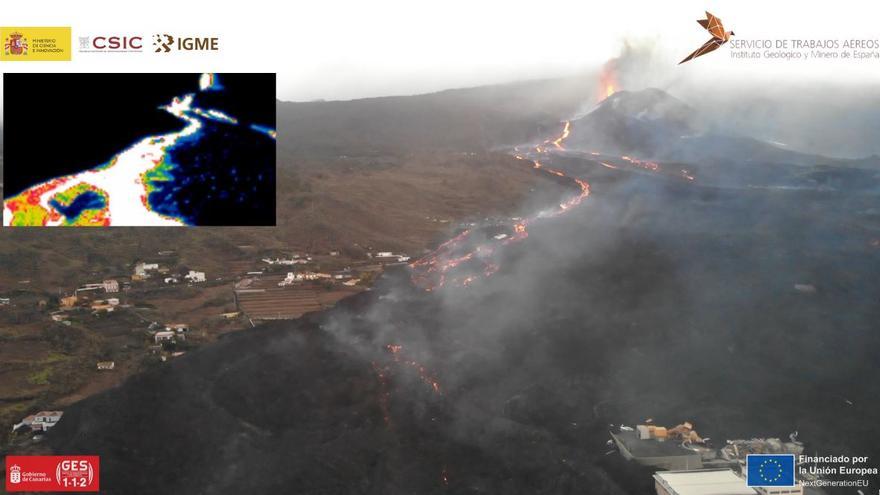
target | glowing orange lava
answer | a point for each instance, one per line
(436, 269)
(607, 81)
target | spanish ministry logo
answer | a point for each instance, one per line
(39, 44)
(719, 37)
(167, 43)
(15, 44)
(770, 469)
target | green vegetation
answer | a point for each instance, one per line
(41, 376)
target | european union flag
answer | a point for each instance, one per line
(770, 469)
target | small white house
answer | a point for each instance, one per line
(196, 277)
(291, 277)
(177, 327)
(40, 421)
(166, 336)
(111, 286)
(142, 268)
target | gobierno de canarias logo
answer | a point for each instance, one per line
(35, 44)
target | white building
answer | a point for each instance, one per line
(166, 336)
(195, 277)
(177, 327)
(40, 421)
(280, 261)
(111, 286)
(701, 482)
(291, 277)
(142, 268)
(780, 490)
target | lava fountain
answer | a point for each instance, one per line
(607, 84)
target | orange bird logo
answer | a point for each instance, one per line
(719, 36)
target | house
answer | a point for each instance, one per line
(141, 270)
(58, 316)
(171, 280)
(68, 301)
(101, 305)
(4, 301)
(177, 327)
(388, 256)
(111, 286)
(311, 275)
(230, 316)
(40, 421)
(113, 301)
(166, 336)
(106, 365)
(195, 277)
(280, 261)
(291, 277)
(701, 482)
(352, 282)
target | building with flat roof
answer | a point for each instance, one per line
(701, 482)
(668, 454)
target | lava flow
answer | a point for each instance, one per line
(383, 375)
(432, 271)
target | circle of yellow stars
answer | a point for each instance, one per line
(778, 469)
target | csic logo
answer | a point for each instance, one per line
(110, 44)
(166, 43)
(15, 44)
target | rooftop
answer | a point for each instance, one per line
(651, 447)
(703, 482)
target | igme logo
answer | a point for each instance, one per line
(163, 42)
(166, 43)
